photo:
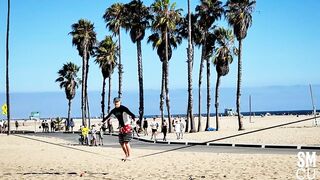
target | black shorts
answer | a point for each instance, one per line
(154, 130)
(125, 137)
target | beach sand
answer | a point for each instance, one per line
(23, 158)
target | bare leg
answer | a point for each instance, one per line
(128, 149)
(124, 148)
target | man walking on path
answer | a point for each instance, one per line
(145, 126)
(154, 127)
(177, 129)
(125, 131)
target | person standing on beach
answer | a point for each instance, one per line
(1, 126)
(17, 125)
(71, 124)
(100, 137)
(177, 129)
(145, 126)
(182, 128)
(164, 130)
(134, 128)
(154, 127)
(125, 132)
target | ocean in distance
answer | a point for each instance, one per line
(272, 99)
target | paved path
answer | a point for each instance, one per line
(112, 141)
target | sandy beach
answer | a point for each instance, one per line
(52, 158)
(37, 157)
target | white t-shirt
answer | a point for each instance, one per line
(153, 125)
(177, 127)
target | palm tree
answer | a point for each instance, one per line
(208, 11)
(84, 38)
(164, 24)
(238, 14)
(106, 56)
(190, 67)
(137, 21)
(222, 59)
(68, 80)
(7, 68)
(195, 38)
(115, 17)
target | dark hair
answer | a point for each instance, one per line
(116, 99)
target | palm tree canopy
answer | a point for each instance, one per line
(165, 18)
(83, 36)
(157, 42)
(238, 14)
(68, 79)
(224, 50)
(114, 16)
(106, 56)
(136, 19)
(195, 29)
(209, 11)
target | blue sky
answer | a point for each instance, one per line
(282, 46)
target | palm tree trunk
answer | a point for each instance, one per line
(190, 67)
(162, 94)
(86, 88)
(217, 102)
(7, 69)
(109, 94)
(140, 77)
(239, 86)
(83, 91)
(88, 110)
(167, 80)
(208, 94)
(120, 67)
(69, 113)
(199, 87)
(103, 96)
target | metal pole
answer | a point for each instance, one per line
(313, 106)
(7, 70)
(250, 109)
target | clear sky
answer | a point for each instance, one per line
(282, 46)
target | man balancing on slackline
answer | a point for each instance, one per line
(122, 113)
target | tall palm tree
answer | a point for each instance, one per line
(68, 79)
(208, 11)
(106, 56)
(164, 24)
(221, 60)
(115, 17)
(190, 67)
(137, 21)
(7, 68)
(238, 14)
(195, 38)
(84, 38)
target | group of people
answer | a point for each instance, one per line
(89, 136)
(4, 125)
(179, 127)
